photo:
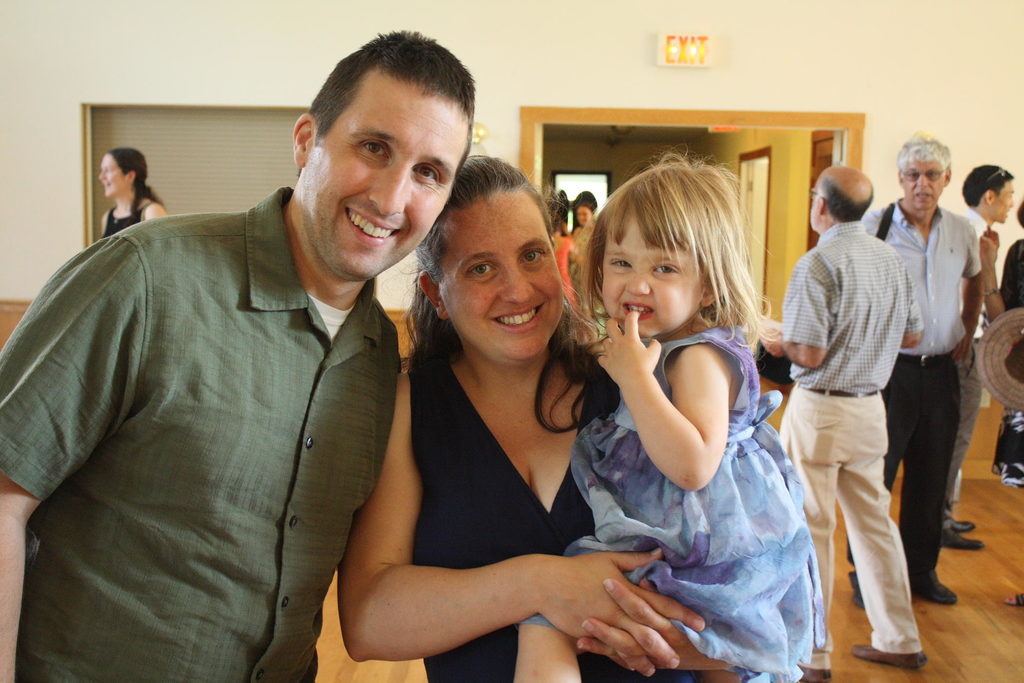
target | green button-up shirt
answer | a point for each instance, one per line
(199, 445)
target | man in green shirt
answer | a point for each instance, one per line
(191, 410)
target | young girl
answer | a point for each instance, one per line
(687, 462)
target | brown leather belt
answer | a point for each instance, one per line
(843, 394)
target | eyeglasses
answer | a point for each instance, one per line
(913, 175)
(814, 193)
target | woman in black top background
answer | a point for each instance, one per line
(123, 174)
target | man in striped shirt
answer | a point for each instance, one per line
(848, 310)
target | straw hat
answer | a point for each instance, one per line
(1001, 359)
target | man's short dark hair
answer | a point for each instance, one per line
(842, 208)
(981, 180)
(406, 56)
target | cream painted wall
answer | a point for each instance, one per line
(908, 66)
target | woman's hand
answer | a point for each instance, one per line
(588, 596)
(624, 355)
(571, 589)
(644, 639)
(988, 246)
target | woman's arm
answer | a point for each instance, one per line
(992, 297)
(391, 609)
(153, 210)
(685, 436)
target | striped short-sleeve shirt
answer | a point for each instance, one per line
(852, 295)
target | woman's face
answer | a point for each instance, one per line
(115, 182)
(583, 215)
(500, 288)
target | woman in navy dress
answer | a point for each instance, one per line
(463, 536)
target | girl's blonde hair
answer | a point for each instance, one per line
(681, 203)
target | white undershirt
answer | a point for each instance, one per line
(333, 317)
(980, 226)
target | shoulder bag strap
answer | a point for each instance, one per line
(883, 227)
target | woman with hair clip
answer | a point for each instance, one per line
(463, 536)
(999, 298)
(123, 174)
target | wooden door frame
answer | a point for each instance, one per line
(533, 119)
(764, 152)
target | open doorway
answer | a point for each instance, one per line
(722, 135)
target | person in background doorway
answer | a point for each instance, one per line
(583, 209)
(558, 208)
(123, 174)
(848, 309)
(988, 192)
(922, 398)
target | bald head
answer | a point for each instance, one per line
(846, 191)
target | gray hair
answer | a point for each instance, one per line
(924, 148)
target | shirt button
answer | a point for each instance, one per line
(309, 442)
(259, 674)
(293, 521)
(284, 603)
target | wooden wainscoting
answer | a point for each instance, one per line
(398, 318)
(10, 316)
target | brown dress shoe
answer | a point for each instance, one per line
(815, 675)
(912, 660)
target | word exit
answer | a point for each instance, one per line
(676, 50)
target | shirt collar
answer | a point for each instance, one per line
(979, 223)
(274, 283)
(898, 216)
(841, 229)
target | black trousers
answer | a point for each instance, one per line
(922, 405)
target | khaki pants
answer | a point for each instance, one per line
(837, 446)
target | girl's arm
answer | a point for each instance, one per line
(685, 436)
(545, 655)
(391, 609)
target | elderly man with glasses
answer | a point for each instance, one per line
(922, 398)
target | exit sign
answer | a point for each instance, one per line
(684, 50)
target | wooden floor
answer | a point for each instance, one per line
(978, 639)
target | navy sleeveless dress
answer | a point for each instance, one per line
(478, 510)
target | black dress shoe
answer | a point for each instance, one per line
(928, 587)
(951, 539)
(913, 660)
(858, 599)
(961, 527)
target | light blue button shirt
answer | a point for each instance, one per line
(937, 269)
